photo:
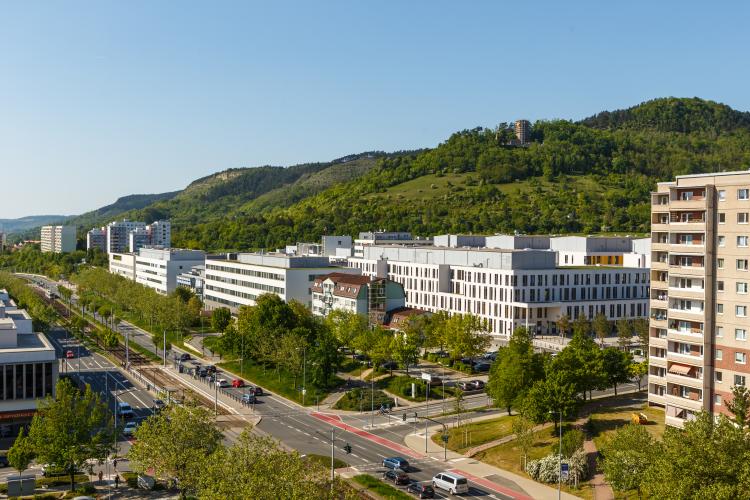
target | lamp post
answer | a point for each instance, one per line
(559, 457)
(165, 348)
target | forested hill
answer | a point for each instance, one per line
(585, 177)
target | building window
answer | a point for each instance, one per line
(740, 358)
(719, 331)
(722, 241)
(720, 263)
(743, 194)
(720, 308)
(722, 195)
(742, 218)
(742, 264)
(740, 311)
(719, 286)
(718, 376)
(740, 334)
(741, 287)
(722, 218)
(742, 241)
(719, 354)
(717, 399)
(739, 380)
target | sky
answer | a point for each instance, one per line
(103, 99)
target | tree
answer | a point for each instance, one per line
(638, 371)
(220, 319)
(572, 441)
(739, 406)
(626, 457)
(183, 293)
(346, 326)
(641, 328)
(325, 358)
(515, 370)
(467, 336)
(174, 445)
(617, 365)
(563, 324)
(435, 330)
(405, 347)
(624, 333)
(194, 308)
(243, 470)
(523, 429)
(382, 350)
(552, 394)
(581, 364)
(71, 428)
(601, 327)
(581, 325)
(21, 453)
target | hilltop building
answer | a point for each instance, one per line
(523, 131)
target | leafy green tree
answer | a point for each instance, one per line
(552, 394)
(382, 349)
(21, 453)
(515, 370)
(581, 364)
(325, 357)
(581, 325)
(739, 406)
(71, 429)
(523, 429)
(601, 327)
(194, 308)
(467, 336)
(220, 319)
(563, 325)
(641, 329)
(367, 340)
(183, 293)
(626, 457)
(572, 441)
(175, 444)
(638, 371)
(617, 366)
(624, 333)
(405, 347)
(346, 326)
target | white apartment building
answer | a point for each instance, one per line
(28, 368)
(118, 234)
(58, 239)
(158, 268)
(160, 233)
(96, 238)
(369, 238)
(138, 239)
(234, 280)
(365, 295)
(508, 287)
(130, 236)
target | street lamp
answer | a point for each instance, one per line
(559, 457)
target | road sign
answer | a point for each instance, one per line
(564, 470)
(444, 437)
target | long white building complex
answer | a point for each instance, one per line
(234, 280)
(156, 268)
(513, 281)
(58, 239)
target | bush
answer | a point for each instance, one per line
(351, 400)
(546, 470)
(462, 367)
(60, 480)
(131, 478)
(384, 490)
(572, 441)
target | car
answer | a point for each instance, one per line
(184, 357)
(468, 361)
(492, 356)
(124, 410)
(210, 368)
(398, 477)
(202, 372)
(482, 367)
(222, 382)
(258, 391)
(477, 384)
(129, 428)
(158, 405)
(69, 354)
(396, 463)
(248, 398)
(466, 386)
(4, 461)
(421, 490)
(389, 365)
(360, 357)
(450, 482)
(238, 382)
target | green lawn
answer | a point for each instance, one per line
(606, 421)
(425, 187)
(400, 385)
(468, 436)
(383, 490)
(363, 398)
(280, 382)
(352, 367)
(325, 461)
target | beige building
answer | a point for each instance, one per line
(699, 293)
(58, 239)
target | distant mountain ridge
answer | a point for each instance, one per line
(29, 222)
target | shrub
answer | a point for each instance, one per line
(351, 400)
(546, 470)
(571, 442)
(131, 478)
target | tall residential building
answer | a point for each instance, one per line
(523, 131)
(160, 233)
(131, 236)
(698, 347)
(234, 280)
(58, 239)
(512, 281)
(2, 242)
(137, 239)
(118, 234)
(96, 238)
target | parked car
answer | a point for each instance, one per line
(389, 365)
(184, 356)
(396, 463)
(360, 357)
(465, 386)
(477, 384)
(258, 391)
(452, 483)
(129, 429)
(238, 382)
(158, 405)
(421, 490)
(482, 367)
(492, 356)
(396, 476)
(124, 410)
(248, 398)
(69, 354)
(202, 372)
(222, 382)
(210, 368)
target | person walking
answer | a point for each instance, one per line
(101, 475)
(117, 480)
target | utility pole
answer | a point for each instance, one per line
(165, 348)
(216, 396)
(372, 402)
(333, 452)
(127, 351)
(304, 374)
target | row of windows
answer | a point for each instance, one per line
(246, 272)
(26, 381)
(742, 218)
(742, 264)
(247, 284)
(226, 291)
(742, 241)
(742, 194)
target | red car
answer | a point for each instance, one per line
(238, 383)
(69, 354)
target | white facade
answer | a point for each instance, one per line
(235, 280)
(508, 287)
(370, 238)
(138, 239)
(160, 233)
(118, 234)
(122, 264)
(131, 236)
(158, 268)
(58, 239)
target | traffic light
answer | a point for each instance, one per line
(347, 448)
(403, 417)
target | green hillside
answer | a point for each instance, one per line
(585, 177)
(124, 204)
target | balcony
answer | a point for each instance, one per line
(686, 314)
(687, 293)
(680, 402)
(689, 359)
(658, 342)
(695, 383)
(672, 421)
(657, 361)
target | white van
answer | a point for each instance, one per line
(452, 483)
(124, 410)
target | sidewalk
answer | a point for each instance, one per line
(487, 476)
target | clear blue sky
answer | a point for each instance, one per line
(103, 99)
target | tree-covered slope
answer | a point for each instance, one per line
(573, 178)
(110, 212)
